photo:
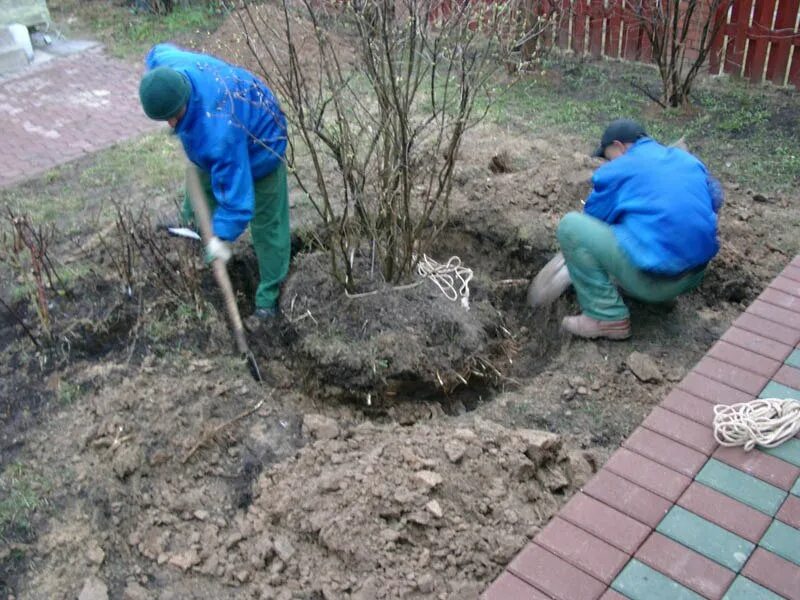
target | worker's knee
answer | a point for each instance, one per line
(568, 227)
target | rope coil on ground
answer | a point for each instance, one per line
(767, 422)
(451, 277)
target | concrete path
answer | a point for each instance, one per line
(70, 106)
(674, 516)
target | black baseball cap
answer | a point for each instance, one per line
(622, 130)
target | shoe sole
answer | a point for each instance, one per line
(609, 335)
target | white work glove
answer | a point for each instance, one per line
(216, 249)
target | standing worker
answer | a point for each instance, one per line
(234, 133)
(649, 226)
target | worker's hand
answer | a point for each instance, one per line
(216, 249)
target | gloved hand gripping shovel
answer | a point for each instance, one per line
(203, 219)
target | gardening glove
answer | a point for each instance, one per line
(216, 249)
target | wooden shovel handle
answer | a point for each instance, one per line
(197, 198)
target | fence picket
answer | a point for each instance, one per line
(779, 53)
(759, 40)
(740, 19)
(613, 29)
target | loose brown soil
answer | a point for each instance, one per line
(367, 468)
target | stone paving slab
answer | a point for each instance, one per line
(672, 515)
(66, 108)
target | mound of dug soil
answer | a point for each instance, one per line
(394, 342)
(378, 512)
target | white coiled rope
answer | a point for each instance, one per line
(451, 277)
(767, 422)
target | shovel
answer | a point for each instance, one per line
(197, 198)
(552, 281)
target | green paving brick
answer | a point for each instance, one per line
(637, 581)
(741, 486)
(788, 451)
(794, 359)
(710, 540)
(783, 540)
(744, 589)
(796, 488)
(778, 390)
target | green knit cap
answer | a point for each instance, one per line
(163, 92)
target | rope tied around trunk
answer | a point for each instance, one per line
(767, 422)
(452, 278)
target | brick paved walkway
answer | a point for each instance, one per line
(674, 516)
(64, 109)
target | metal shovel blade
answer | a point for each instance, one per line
(552, 281)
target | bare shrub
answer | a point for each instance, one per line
(681, 33)
(378, 95)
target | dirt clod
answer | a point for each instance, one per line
(320, 427)
(644, 367)
(95, 553)
(94, 589)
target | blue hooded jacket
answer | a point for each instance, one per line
(233, 129)
(662, 204)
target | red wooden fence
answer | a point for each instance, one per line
(759, 39)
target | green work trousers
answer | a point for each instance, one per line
(597, 265)
(269, 231)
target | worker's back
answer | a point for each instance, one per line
(659, 202)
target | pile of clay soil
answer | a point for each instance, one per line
(432, 510)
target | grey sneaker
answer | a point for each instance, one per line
(261, 317)
(589, 328)
(265, 314)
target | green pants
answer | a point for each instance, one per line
(269, 231)
(596, 264)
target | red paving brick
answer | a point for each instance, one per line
(605, 522)
(583, 550)
(554, 576)
(689, 406)
(714, 391)
(685, 566)
(762, 465)
(665, 451)
(627, 497)
(744, 359)
(784, 316)
(788, 376)
(726, 512)
(731, 375)
(782, 299)
(758, 343)
(774, 573)
(792, 272)
(511, 587)
(786, 285)
(68, 107)
(765, 327)
(650, 475)
(790, 511)
(681, 429)
(612, 595)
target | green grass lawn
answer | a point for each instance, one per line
(128, 33)
(745, 133)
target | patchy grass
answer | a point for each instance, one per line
(79, 196)
(129, 33)
(22, 491)
(744, 133)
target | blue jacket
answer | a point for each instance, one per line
(233, 129)
(662, 204)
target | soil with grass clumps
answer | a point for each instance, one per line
(401, 446)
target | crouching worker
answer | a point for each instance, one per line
(649, 226)
(234, 133)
